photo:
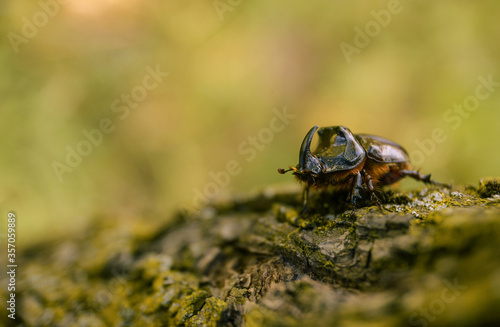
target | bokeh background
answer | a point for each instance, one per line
(229, 64)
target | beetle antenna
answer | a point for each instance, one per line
(283, 171)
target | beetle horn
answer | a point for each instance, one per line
(306, 158)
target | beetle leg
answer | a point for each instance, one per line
(369, 181)
(305, 199)
(357, 185)
(423, 178)
(371, 189)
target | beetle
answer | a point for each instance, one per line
(351, 162)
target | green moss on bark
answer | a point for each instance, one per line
(429, 256)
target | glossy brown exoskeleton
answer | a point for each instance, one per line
(351, 162)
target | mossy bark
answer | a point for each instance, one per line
(428, 258)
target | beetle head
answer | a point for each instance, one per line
(309, 165)
(337, 150)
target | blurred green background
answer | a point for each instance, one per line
(66, 66)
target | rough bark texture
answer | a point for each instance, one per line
(429, 258)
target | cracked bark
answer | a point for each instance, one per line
(253, 262)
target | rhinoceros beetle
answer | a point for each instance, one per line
(351, 162)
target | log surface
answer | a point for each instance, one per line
(429, 258)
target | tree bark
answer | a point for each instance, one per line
(430, 257)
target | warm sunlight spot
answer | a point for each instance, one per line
(99, 7)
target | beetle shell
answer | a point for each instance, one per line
(338, 149)
(381, 149)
